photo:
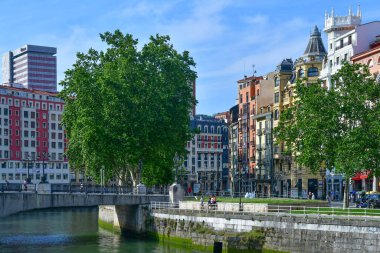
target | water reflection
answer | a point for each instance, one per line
(69, 230)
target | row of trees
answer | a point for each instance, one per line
(338, 127)
(125, 107)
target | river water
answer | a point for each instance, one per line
(69, 230)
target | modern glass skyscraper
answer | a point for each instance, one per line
(32, 67)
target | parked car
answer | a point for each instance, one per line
(371, 200)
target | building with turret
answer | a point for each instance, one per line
(290, 179)
(346, 37)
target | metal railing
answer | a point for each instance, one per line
(75, 188)
(274, 210)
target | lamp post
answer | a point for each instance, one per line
(332, 185)
(140, 170)
(44, 157)
(28, 179)
(175, 160)
(240, 204)
(322, 172)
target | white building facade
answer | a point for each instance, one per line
(346, 37)
(32, 139)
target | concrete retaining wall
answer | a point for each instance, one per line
(285, 234)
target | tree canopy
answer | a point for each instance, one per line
(336, 128)
(125, 106)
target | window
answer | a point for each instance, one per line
(276, 114)
(301, 73)
(341, 43)
(26, 133)
(5, 111)
(52, 116)
(276, 97)
(33, 115)
(26, 123)
(276, 82)
(337, 61)
(313, 71)
(349, 40)
(246, 97)
(26, 114)
(370, 63)
(53, 126)
(330, 65)
(330, 45)
(241, 98)
(258, 92)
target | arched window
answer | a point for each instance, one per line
(199, 128)
(218, 130)
(301, 73)
(313, 71)
(212, 129)
(276, 82)
(276, 114)
(370, 63)
(206, 129)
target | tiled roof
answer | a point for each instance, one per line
(315, 46)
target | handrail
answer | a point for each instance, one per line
(278, 210)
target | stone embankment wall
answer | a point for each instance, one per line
(271, 232)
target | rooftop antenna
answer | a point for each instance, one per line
(253, 69)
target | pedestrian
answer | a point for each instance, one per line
(309, 195)
(328, 198)
(312, 196)
(6, 184)
(25, 186)
(202, 202)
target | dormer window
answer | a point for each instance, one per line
(301, 73)
(276, 82)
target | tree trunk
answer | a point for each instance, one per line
(374, 184)
(346, 203)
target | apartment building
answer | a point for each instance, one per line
(206, 165)
(32, 139)
(33, 67)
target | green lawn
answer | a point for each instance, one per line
(338, 211)
(270, 201)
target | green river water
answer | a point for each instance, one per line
(69, 230)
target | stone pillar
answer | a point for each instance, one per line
(374, 184)
(125, 218)
(176, 193)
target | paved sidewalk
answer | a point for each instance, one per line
(340, 204)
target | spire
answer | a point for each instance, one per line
(349, 11)
(359, 11)
(315, 46)
(326, 15)
(332, 12)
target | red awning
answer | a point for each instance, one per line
(361, 175)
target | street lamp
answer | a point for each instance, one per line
(28, 179)
(332, 185)
(240, 204)
(175, 160)
(322, 172)
(45, 157)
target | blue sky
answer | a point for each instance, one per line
(225, 37)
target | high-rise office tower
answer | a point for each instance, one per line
(32, 67)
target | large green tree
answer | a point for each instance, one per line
(125, 107)
(336, 128)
